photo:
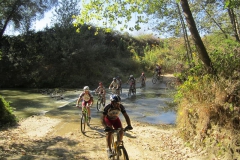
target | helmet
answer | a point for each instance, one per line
(114, 78)
(115, 98)
(86, 88)
(131, 76)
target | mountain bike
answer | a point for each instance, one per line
(117, 147)
(115, 90)
(85, 120)
(100, 102)
(143, 83)
(131, 90)
(157, 78)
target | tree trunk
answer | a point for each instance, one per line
(234, 23)
(186, 40)
(202, 52)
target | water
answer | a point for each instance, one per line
(148, 105)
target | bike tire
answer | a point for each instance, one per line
(129, 93)
(83, 123)
(154, 80)
(123, 155)
(98, 104)
(112, 148)
(134, 91)
(161, 78)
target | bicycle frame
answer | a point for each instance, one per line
(115, 91)
(131, 90)
(100, 102)
(118, 148)
(84, 119)
(157, 78)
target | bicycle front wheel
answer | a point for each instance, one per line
(99, 104)
(129, 93)
(122, 153)
(83, 123)
(154, 80)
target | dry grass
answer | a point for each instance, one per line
(209, 113)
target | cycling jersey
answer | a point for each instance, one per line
(114, 84)
(113, 112)
(100, 89)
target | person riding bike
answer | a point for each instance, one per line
(110, 119)
(114, 86)
(119, 82)
(101, 92)
(86, 98)
(142, 78)
(158, 70)
(132, 81)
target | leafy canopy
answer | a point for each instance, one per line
(114, 12)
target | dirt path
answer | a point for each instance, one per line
(35, 138)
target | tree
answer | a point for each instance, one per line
(21, 13)
(116, 10)
(202, 52)
(64, 12)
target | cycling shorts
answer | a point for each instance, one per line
(84, 103)
(116, 123)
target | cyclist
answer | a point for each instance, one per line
(86, 98)
(132, 81)
(114, 86)
(158, 70)
(111, 119)
(101, 91)
(119, 83)
(142, 78)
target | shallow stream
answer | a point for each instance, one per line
(150, 104)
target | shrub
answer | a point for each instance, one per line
(7, 116)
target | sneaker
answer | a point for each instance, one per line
(110, 154)
(119, 151)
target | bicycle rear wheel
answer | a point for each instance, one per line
(161, 78)
(122, 153)
(83, 122)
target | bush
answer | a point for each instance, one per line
(7, 117)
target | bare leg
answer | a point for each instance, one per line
(109, 140)
(89, 111)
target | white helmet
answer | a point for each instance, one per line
(131, 76)
(86, 88)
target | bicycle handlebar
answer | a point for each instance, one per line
(108, 129)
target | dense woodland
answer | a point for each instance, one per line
(67, 55)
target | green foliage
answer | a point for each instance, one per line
(112, 13)
(21, 13)
(60, 57)
(7, 117)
